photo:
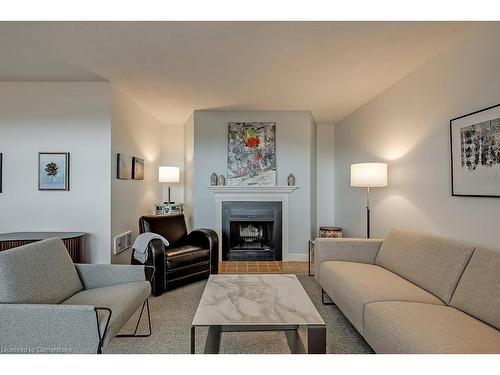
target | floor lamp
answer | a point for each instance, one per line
(170, 175)
(368, 175)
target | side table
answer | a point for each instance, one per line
(311, 252)
(324, 232)
(74, 241)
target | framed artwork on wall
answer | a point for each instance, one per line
(123, 167)
(137, 168)
(53, 171)
(475, 153)
(251, 157)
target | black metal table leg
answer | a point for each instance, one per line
(316, 339)
(193, 336)
(213, 340)
(311, 246)
(294, 342)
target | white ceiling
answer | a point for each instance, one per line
(173, 68)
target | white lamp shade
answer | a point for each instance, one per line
(369, 174)
(168, 174)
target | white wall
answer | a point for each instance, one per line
(408, 126)
(134, 132)
(296, 153)
(325, 174)
(313, 177)
(57, 117)
(189, 171)
(173, 155)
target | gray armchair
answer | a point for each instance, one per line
(50, 305)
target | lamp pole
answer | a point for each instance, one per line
(368, 175)
(367, 212)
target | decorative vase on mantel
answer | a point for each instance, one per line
(222, 180)
(290, 180)
(213, 179)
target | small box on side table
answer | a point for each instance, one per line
(330, 232)
(169, 209)
(324, 232)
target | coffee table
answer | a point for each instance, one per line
(242, 303)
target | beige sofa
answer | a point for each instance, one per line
(414, 293)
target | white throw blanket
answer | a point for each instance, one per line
(141, 245)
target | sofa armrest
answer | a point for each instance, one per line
(38, 328)
(101, 275)
(360, 250)
(208, 239)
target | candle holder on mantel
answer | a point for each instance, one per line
(213, 179)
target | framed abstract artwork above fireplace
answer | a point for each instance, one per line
(251, 157)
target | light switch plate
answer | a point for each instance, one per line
(122, 242)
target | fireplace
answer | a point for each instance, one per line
(251, 230)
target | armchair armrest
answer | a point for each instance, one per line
(155, 266)
(101, 275)
(38, 328)
(208, 239)
(360, 250)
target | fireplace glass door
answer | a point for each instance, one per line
(251, 231)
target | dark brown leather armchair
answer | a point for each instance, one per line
(189, 256)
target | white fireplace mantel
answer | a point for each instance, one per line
(252, 189)
(253, 193)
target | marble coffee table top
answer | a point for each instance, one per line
(255, 300)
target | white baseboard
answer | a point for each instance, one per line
(297, 257)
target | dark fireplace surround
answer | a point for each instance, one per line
(251, 230)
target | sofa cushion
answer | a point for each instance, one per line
(353, 285)
(407, 327)
(122, 299)
(433, 263)
(40, 272)
(478, 291)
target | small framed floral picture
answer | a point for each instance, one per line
(53, 171)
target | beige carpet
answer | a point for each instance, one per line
(172, 313)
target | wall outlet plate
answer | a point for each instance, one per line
(122, 242)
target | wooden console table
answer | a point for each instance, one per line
(72, 240)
